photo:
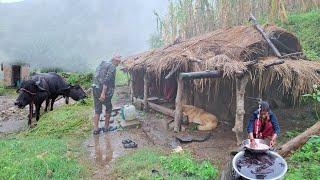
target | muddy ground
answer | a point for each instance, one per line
(13, 119)
(104, 149)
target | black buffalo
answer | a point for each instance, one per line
(58, 86)
(34, 91)
(45, 87)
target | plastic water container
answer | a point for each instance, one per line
(129, 112)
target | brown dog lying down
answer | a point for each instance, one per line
(206, 121)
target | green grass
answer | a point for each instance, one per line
(306, 27)
(305, 163)
(52, 149)
(121, 78)
(6, 91)
(139, 165)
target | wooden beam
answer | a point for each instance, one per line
(300, 140)
(250, 63)
(241, 84)
(158, 108)
(273, 63)
(264, 35)
(178, 110)
(292, 54)
(145, 91)
(200, 74)
(173, 70)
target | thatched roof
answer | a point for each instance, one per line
(228, 50)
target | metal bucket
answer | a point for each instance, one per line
(279, 165)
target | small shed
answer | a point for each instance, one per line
(218, 71)
(14, 73)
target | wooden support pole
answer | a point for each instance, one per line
(300, 140)
(131, 88)
(178, 110)
(264, 35)
(241, 84)
(145, 92)
(175, 69)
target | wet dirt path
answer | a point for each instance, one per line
(13, 119)
(104, 149)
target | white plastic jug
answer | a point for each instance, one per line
(129, 112)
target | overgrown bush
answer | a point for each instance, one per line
(83, 79)
(314, 98)
(306, 27)
(305, 163)
(51, 69)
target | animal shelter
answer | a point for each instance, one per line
(13, 74)
(218, 71)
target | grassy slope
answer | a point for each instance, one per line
(51, 150)
(305, 163)
(306, 27)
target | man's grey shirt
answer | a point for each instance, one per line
(105, 75)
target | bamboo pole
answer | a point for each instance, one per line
(145, 92)
(241, 84)
(178, 108)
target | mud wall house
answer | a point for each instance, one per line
(13, 74)
(218, 71)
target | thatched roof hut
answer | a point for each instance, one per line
(231, 53)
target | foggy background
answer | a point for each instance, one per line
(75, 34)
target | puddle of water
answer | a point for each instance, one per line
(12, 126)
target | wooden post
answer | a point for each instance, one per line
(131, 87)
(145, 92)
(178, 110)
(241, 84)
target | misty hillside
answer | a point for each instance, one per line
(75, 33)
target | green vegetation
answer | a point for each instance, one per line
(83, 79)
(6, 91)
(188, 18)
(154, 164)
(306, 27)
(51, 150)
(86, 79)
(121, 78)
(305, 163)
(51, 69)
(314, 98)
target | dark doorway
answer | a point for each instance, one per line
(16, 74)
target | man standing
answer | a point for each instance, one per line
(103, 88)
(263, 125)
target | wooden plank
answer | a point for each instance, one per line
(158, 108)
